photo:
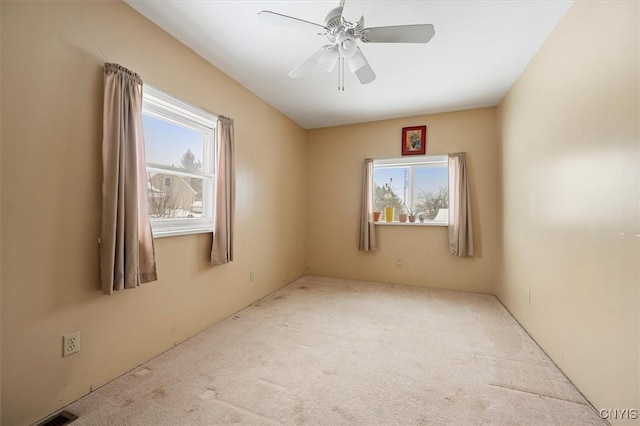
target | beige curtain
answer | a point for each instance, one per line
(127, 257)
(460, 232)
(367, 239)
(222, 247)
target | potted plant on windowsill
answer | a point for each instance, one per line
(411, 213)
(389, 211)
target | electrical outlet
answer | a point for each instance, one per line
(399, 262)
(252, 275)
(71, 343)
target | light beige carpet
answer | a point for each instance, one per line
(327, 352)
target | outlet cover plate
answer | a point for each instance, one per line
(70, 343)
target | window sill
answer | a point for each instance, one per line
(178, 232)
(412, 224)
(173, 227)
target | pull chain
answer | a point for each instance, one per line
(340, 74)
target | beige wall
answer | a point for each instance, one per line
(51, 178)
(570, 190)
(565, 154)
(335, 158)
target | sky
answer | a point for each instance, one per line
(166, 142)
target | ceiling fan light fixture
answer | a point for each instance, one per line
(346, 44)
(356, 62)
(361, 68)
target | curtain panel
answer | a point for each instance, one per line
(460, 230)
(367, 236)
(222, 246)
(127, 257)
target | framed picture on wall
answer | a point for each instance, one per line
(414, 140)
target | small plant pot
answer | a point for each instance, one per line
(377, 216)
(402, 217)
(421, 218)
(412, 218)
(388, 214)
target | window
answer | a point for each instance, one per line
(180, 150)
(417, 184)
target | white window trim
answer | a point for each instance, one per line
(159, 104)
(415, 160)
(426, 223)
(412, 161)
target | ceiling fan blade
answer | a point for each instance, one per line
(358, 64)
(329, 57)
(290, 22)
(420, 33)
(353, 10)
(305, 67)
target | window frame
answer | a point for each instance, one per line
(160, 105)
(411, 162)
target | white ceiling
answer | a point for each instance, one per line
(479, 50)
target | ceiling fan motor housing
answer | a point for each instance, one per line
(335, 23)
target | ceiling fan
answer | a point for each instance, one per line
(343, 27)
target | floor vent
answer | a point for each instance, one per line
(60, 419)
